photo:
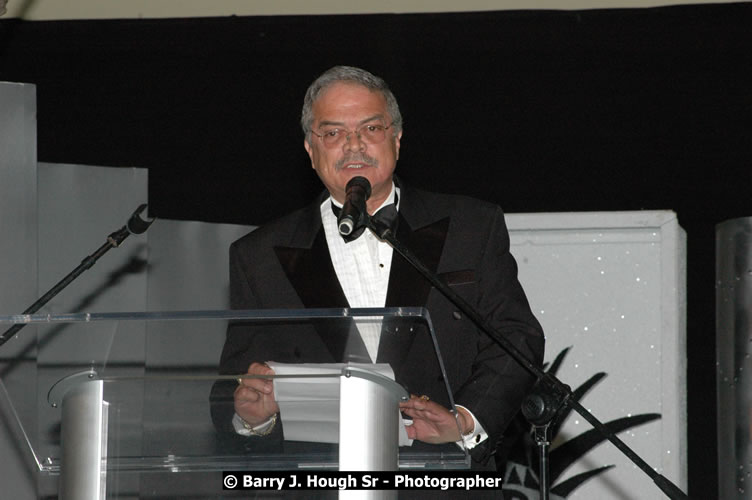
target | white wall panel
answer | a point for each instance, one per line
(612, 287)
(18, 277)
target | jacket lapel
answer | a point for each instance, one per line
(309, 270)
(424, 235)
(311, 273)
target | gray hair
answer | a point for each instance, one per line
(351, 75)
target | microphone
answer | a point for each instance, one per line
(352, 216)
(137, 225)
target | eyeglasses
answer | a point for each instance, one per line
(370, 133)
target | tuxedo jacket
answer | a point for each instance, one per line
(286, 264)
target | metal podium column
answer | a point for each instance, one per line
(84, 442)
(368, 427)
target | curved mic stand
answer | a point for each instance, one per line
(135, 225)
(550, 394)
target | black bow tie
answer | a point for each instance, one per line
(386, 216)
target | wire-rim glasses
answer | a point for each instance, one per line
(370, 133)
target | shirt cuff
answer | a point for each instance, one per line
(244, 429)
(474, 437)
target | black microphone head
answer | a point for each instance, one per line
(353, 212)
(137, 225)
(359, 182)
(346, 226)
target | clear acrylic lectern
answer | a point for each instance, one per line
(114, 406)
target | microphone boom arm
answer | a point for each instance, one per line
(135, 225)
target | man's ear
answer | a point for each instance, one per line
(309, 150)
(397, 145)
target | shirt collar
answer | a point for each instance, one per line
(389, 199)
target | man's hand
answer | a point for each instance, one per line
(254, 398)
(432, 423)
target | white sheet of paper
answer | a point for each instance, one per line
(309, 407)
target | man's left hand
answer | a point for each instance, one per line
(432, 423)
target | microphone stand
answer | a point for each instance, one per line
(541, 440)
(549, 394)
(135, 225)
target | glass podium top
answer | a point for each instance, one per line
(168, 378)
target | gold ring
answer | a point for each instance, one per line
(425, 398)
(240, 381)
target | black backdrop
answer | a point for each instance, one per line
(535, 110)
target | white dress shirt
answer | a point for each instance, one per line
(362, 267)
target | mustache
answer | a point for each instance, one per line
(356, 158)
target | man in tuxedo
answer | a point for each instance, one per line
(353, 127)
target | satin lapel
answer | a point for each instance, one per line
(312, 275)
(408, 288)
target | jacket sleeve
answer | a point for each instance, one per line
(497, 383)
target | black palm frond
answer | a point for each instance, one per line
(566, 487)
(556, 364)
(574, 449)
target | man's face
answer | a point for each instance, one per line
(351, 106)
